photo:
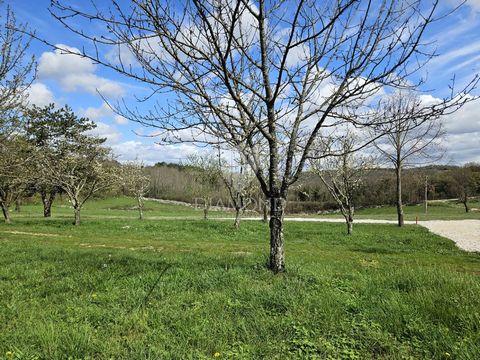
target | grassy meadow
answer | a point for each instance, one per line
(177, 287)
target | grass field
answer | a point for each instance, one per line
(124, 208)
(119, 288)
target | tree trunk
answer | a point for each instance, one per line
(265, 211)
(47, 203)
(399, 195)
(350, 222)
(277, 251)
(426, 195)
(17, 205)
(206, 207)
(236, 224)
(77, 215)
(140, 207)
(465, 203)
(6, 213)
(349, 227)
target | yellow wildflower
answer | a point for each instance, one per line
(9, 354)
(447, 354)
(94, 296)
(216, 354)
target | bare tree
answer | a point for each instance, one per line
(343, 172)
(465, 184)
(207, 176)
(15, 171)
(245, 73)
(84, 169)
(136, 182)
(16, 75)
(413, 140)
(16, 67)
(240, 183)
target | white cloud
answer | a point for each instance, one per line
(39, 94)
(120, 120)
(474, 4)
(152, 153)
(94, 113)
(104, 130)
(463, 132)
(457, 54)
(75, 73)
(103, 112)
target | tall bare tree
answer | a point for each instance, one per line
(16, 75)
(260, 72)
(16, 66)
(343, 172)
(413, 140)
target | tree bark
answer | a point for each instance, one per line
(47, 201)
(17, 205)
(426, 195)
(206, 207)
(76, 210)
(265, 211)
(465, 203)
(350, 222)
(277, 251)
(236, 224)
(140, 207)
(6, 213)
(399, 195)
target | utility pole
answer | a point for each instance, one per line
(426, 194)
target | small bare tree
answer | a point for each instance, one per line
(414, 138)
(240, 183)
(465, 184)
(136, 183)
(274, 73)
(84, 169)
(207, 177)
(342, 172)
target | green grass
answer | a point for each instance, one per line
(437, 210)
(120, 208)
(184, 289)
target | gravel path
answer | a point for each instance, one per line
(465, 233)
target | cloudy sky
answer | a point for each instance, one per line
(67, 79)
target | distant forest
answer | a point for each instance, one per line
(177, 182)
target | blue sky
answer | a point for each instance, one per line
(74, 81)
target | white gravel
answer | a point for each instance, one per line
(465, 233)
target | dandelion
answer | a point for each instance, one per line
(94, 296)
(216, 354)
(447, 354)
(9, 354)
